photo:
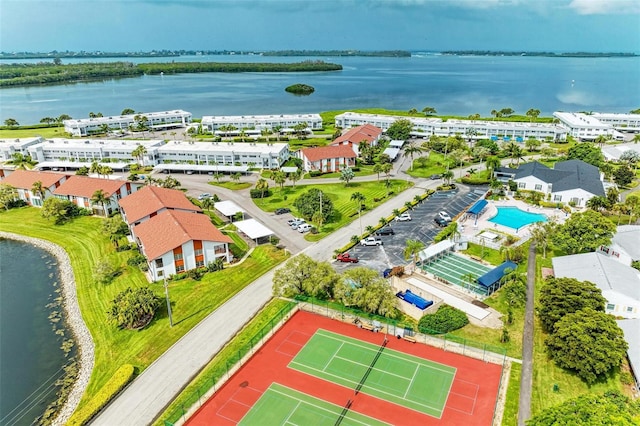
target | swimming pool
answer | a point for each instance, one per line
(514, 218)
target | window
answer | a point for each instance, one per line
(177, 256)
(160, 273)
(159, 263)
(538, 187)
(557, 198)
(521, 185)
(198, 252)
(630, 309)
(611, 307)
(179, 268)
(199, 263)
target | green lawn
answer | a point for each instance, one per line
(512, 401)
(345, 210)
(234, 186)
(45, 132)
(191, 300)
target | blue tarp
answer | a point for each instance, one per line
(494, 275)
(415, 300)
(477, 207)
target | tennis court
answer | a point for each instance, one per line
(455, 269)
(281, 405)
(403, 379)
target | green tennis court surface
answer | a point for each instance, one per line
(403, 379)
(455, 269)
(280, 405)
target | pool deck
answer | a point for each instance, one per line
(473, 228)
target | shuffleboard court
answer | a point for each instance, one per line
(403, 379)
(281, 405)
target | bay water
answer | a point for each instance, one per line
(455, 85)
(30, 356)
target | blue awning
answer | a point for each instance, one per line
(506, 138)
(478, 207)
(494, 138)
(494, 275)
(518, 139)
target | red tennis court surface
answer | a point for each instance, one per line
(472, 398)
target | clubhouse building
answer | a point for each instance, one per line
(161, 120)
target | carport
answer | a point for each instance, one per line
(492, 280)
(436, 251)
(477, 209)
(253, 229)
(229, 209)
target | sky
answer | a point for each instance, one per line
(429, 25)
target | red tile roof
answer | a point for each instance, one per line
(84, 186)
(326, 152)
(367, 132)
(24, 179)
(172, 228)
(152, 199)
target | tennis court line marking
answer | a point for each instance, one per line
(300, 401)
(474, 397)
(331, 358)
(411, 381)
(232, 399)
(394, 353)
(287, 340)
(293, 410)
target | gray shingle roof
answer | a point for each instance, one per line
(566, 175)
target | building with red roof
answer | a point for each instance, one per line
(81, 189)
(24, 180)
(176, 241)
(327, 159)
(150, 201)
(356, 135)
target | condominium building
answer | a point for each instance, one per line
(587, 127)
(75, 153)
(9, 147)
(155, 120)
(620, 122)
(216, 155)
(261, 122)
(470, 129)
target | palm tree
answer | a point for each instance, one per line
(383, 222)
(38, 189)
(100, 197)
(359, 198)
(139, 153)
(447, 176)
(601, 140)
(533, 114)
(295, 176)
(492, 163)
(377, 169)
(207, 203)
(412, 249)
(105, 171)
(95, 168)
(636, 138)
(411, 150)
(386, 169)
(396, 212)
(408, 205)
(469, 279)
(21, 161)
(262, 185)
(279, 177)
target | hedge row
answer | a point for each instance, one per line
(117, 382)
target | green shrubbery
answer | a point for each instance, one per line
(119, 380)
(446, 319)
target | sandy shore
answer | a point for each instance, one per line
(74, 320)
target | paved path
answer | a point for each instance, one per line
(526, 378)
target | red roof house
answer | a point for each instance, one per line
(152, 200)
(328, 159)
(176, 241)
(356, 135)
(81, 189)
(23, 181)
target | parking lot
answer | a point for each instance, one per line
(421, 227)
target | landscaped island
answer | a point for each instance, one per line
(14, 75)
(300, 89)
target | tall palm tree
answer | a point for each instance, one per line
(601, 140)
(383, 222)
(280, 178)
(447, 176)
(377, 169)
(262, 185)
(100, 197)
(411, 150)
(492, 163)
(139, 153)
(411, 250)
(38, 189)
(359, 198)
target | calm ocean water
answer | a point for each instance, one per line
(30, 354)
(459, 85)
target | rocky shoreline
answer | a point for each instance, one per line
(74, 320)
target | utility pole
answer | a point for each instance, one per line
(166, 293)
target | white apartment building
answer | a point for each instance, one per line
(470, 129)
(156, 121)
(586, 127)
(620, 122)
(75, 153)
(212, 123)
(217, 154)
(8, 147)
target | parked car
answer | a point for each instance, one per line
(299, 222)
(435, 177)
(445, 216)
(282, 210)
(371, 241)
(387, 230)
(344, 257)
(441, 222)
(403, 217)
(295, 220)
(304, 227)
(203, 196)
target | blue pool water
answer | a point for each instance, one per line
(513, 217)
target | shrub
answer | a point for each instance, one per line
(116, 383)
(105, 271)
(259, 193)
(446, 319)
(314, 173)
(133, 308)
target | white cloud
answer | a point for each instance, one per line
(605, 7)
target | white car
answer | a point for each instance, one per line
(294, 220)
(305, 227)
(371, 241)
(403, 217)
(298, 223)
(203, 196)
(445, 216)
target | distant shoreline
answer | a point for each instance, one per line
(308, 53)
